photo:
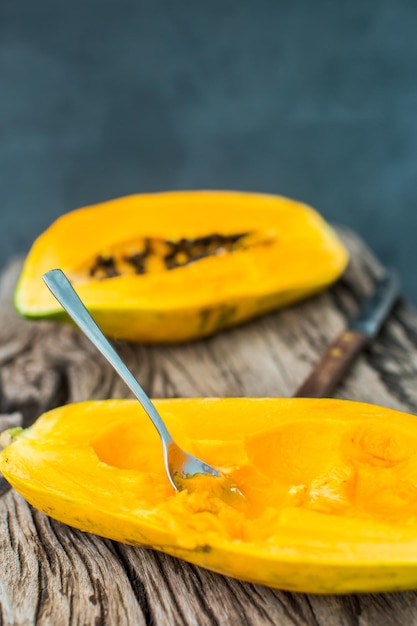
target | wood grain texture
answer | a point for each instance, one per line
(55, 575)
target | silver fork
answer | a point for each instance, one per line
(180, 465)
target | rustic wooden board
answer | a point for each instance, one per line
(53, 574)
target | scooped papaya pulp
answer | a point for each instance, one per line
(176, 266)
(330, 486)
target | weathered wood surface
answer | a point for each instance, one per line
(53, 574)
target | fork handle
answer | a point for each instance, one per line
(64, 292)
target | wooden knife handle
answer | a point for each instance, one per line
(333, 365)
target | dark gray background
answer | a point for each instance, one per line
(313, 99)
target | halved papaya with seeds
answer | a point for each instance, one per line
(175, 266)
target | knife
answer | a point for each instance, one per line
(343, 351)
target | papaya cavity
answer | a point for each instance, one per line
(152, 254)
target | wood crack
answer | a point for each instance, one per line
(179, 617)
(136, 584)
(4, 486)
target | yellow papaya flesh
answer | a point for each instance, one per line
(176, 266)
(329, 486)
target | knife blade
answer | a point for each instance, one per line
(361, 330)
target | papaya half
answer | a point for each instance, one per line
(176, 266)
(330, 503)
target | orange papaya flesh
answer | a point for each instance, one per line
(329, 486)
